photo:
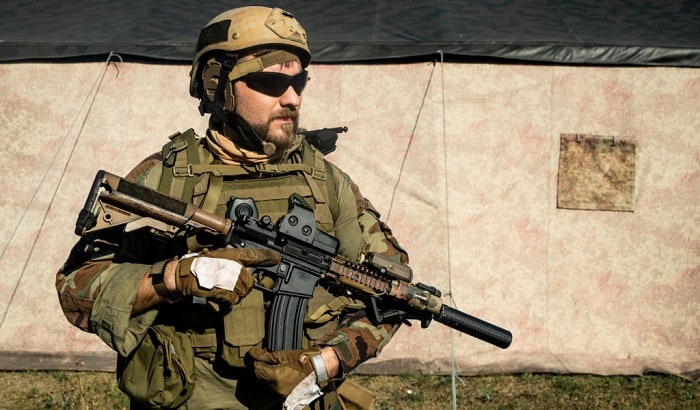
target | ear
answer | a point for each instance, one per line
(210, 80)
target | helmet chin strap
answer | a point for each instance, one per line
(247, 134)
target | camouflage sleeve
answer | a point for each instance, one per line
(97, 294)
(360, 231)
(359, 227)
(358, 340)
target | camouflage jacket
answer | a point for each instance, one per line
(97, 285)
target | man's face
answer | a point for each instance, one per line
(275, 119)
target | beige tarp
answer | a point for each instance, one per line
(463, 161)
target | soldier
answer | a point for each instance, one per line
(135, 289)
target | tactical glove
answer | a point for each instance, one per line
(221, 274)
(282, 370)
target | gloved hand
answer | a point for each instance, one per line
(221, 274)
(282, 370)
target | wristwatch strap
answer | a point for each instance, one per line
(320, 367)
(157, 278)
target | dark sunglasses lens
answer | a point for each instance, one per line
(299, 82)
(275, 84)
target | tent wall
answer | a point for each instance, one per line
(461, 159)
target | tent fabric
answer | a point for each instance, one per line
(543, 31)
(472, 153)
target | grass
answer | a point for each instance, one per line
(534, 391)
(96, 390)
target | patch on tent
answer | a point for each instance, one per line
(596, 173)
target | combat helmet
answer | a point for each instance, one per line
(234, 34)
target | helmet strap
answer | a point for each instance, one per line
(216, 106)
(260, 63)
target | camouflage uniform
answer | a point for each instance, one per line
(98, 284)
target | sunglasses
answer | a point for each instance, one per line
(275, 84)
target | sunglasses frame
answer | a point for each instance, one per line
(275, 84)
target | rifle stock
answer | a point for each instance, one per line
(308, 255)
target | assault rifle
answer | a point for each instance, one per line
(308, 255)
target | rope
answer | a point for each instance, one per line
(408, 147)
(90, 97)
(447, 203)
(454, 376)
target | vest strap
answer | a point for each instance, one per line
(335, 307)
(216, 184)
(174, 160)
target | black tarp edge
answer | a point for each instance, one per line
(338, 53)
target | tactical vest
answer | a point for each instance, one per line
(190, 172)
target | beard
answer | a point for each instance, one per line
(285, 136)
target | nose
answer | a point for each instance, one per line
(290, 98)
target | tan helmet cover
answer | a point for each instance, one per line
(246, 29)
